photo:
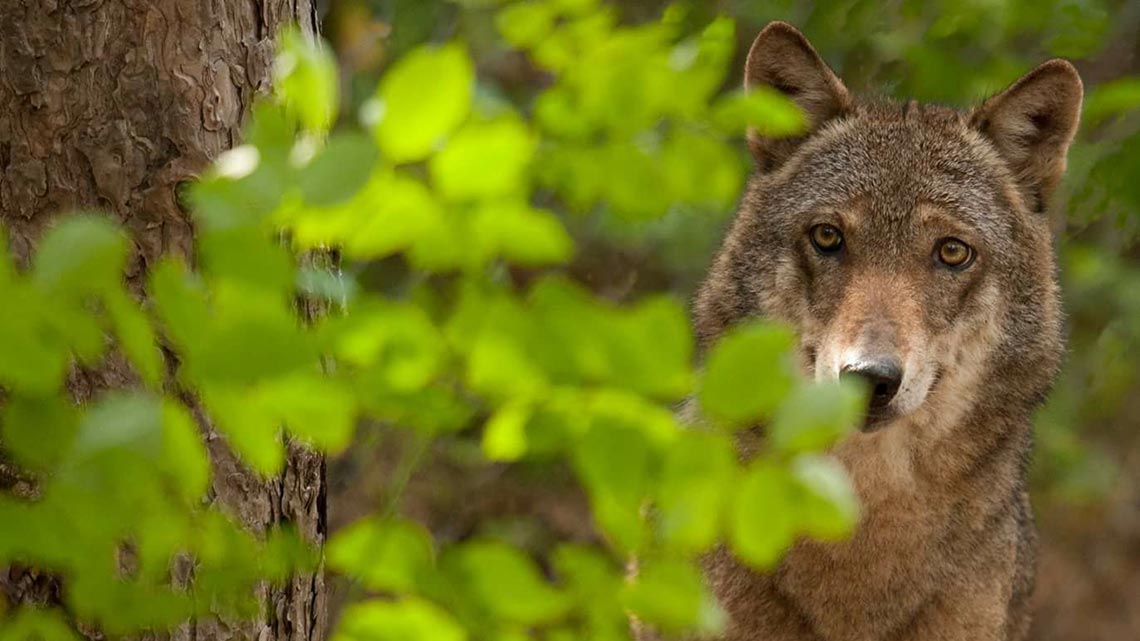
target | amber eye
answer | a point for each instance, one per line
(827, 239)
(954, 253)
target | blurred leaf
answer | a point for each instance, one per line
(814, 417)
(121, 421)
(135, 335)
(415, 116)
(29, 624)
(828, 507)
(408, 619)
(383, 555)
(697, 473)
(35, 357)
(183, 453)
(243, 348)
(645, 348)
(399, 341)
(616, 465)
(340, 170)
(505, 582)
(253, 432)
(84, 253)
(483, 160)
(38, 431)
(671, 595)
(701, 170)
(747, 373)
(320, 410)
(525, 24)
(504, 437)
(595, 583)
(763, 521)
(305, 78)
(246, 254)
(519, 234)
(766, 111)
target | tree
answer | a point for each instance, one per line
(114, 106)
(455, 202)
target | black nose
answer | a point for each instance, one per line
(882, 376)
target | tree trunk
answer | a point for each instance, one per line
(111, 105)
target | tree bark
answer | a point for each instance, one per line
(112, 105)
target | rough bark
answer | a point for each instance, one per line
(111, 105)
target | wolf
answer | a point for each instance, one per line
(908, 244)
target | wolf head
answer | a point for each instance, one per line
(907, 243)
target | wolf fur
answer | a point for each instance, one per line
(946, 546)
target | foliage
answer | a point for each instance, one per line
(451, 181)
(482, 194)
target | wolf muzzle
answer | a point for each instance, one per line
(883, 377)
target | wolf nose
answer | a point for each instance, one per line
(884, 378)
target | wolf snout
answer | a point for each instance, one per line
(883, 377)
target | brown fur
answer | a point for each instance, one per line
(945, 549)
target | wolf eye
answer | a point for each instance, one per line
(954, 253)
(827, 239)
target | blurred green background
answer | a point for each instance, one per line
(1087, 469)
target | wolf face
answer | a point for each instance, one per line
(906, 243)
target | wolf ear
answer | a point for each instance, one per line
(783, 59)
(1032, 123)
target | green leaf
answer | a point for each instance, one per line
(670, 594)
(320, 410)
(763, 524)
(416, 114)
(32, 624)
(246, 348)
(484, 160)
(183, 453)
(35, 357)
(506, 583)
(762, 109)
(246, 254)
(121, 421)
(38, 431)
(701, 169)
(244, 184)
(580, 340)
(383, 555)
(400, 342)
(305, 79)
(653, 349)
(433, 410)
(393, 212)
(589, 574)
(816, 416)
(828, 507)
(504, 437)
(748, 373)
(135, 336)
(180, 302)
(616, 465)
(519, 234)
(696, 478)
(251, 430)
(409, 619)
(340, 170)
(525, 24)
(84, 253)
